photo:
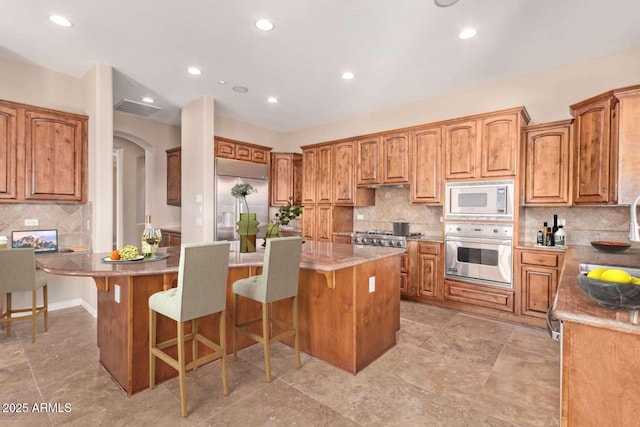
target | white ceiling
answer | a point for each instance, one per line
(400, 50)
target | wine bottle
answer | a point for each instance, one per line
(148, 239)
(555, 224)
(544, 234)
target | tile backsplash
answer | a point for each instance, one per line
(72, 220)
(583, 223)
(392, 204)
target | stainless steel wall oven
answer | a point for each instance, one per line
(479, 252)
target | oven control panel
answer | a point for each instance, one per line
(479, 229)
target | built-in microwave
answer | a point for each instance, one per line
(484, 200)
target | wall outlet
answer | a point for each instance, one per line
(116, 293)
(372, 284)
(360, 216)
(198, 221)
(31, 222)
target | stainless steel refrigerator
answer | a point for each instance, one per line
(228, 208)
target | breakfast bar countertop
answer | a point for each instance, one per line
(571, 304)
(319, 256)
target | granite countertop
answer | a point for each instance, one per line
(320, 256)
(572, 305)
(532, 245)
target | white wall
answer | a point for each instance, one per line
(546, 95)
(246, 132)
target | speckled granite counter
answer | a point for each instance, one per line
(319, 256)
(571, 304)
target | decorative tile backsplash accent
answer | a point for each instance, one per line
(392, 204)
(72, 220)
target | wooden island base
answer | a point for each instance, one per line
(340, 321)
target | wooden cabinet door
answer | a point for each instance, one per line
(225, 149)
(174, 176)
(309, 159)
(395, 158)
(55, 156)
(369, 161)
(297, 179)
(259, 155)
(460, 140)
(538, 289)
(547, 164)
(324, 186)
(339, 238)
(8, 150)
(324, 223)
(499, 146)
(404, 273)
(428, 275)
(244, 152)
(344, 185)
(281, 178)
(594, 159)
(426, 166)
(309, 222)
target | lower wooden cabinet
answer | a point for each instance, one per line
(404, 274)
(539, 272)
(422, 270)
(481, 295)
(170, 238)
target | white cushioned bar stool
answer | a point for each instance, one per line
(18, 274)
(278, 281)
(201, 291)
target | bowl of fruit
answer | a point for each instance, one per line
(128, 253)
(613, 287)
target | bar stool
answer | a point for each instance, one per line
(278, 281)
(18, 274)
(201, 291)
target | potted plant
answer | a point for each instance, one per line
(248, 225)
(284, 216)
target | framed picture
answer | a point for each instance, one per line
(40, 240)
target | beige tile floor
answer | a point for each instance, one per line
(448, 369)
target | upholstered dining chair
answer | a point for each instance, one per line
(201, 291)
(18, 274)
(278, 281)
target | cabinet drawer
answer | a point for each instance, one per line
(428, 248)
(243, 152)
(225, 149)
(403, 262)
(540, 258)
(478, 295)
(259, 155)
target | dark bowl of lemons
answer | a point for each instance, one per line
(612, 288)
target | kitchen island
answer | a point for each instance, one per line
(345, 318)
(600, 359)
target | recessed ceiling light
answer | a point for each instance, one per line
(148, 99)
(272, 100)
(240, 89)
(264, 25)
(194, 70)
(467, 33)
(348, 75)
(222, 82)
(445, 3)
(60, 20)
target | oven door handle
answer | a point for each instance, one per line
(490, 241)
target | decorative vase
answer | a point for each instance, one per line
(247, 229)
(273, 230)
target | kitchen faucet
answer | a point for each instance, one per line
(634, 230)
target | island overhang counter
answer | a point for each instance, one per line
(346, 318)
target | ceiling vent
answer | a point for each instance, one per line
(134, 107)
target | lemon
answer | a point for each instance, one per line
(596, 273)
(616, 276)
(635, 280)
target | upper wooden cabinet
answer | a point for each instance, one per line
(239, 150)
(345, 191)
(174, 176)
(547, 164)
(324, 177)
(606, 136)
(595, 152)
(8, 150)
(395, 158)
(426, 165)
(309, 156)
(383, 159)
(286, 178)
(43, 154)
(484, 146)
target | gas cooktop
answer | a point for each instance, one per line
(381, 238)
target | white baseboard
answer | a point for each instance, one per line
(73, 303)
